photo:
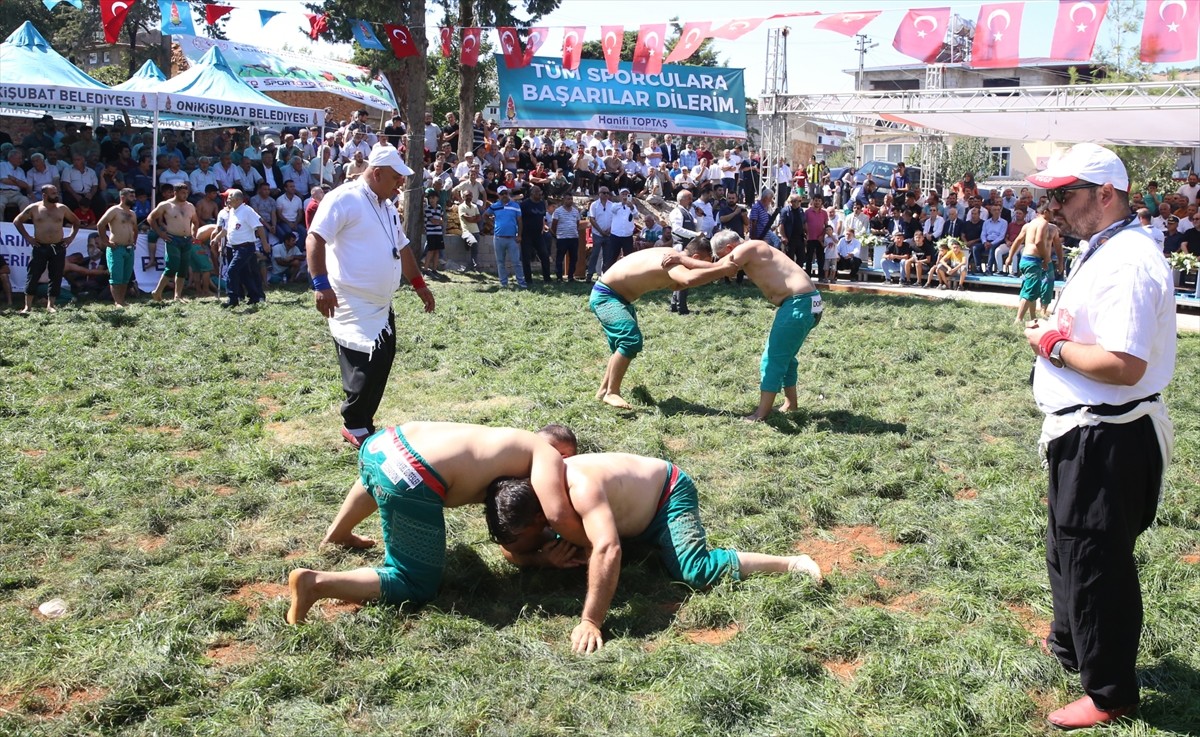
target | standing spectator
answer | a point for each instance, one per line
(48, 243)
(469, 218)
(600, 214)
(239, 228)
(565, 224)
(783, 180)
(668, 149)
(815, 220)
(761, 219)
(506, 229)
(792, 230)
(435, 230)
(432, 137)
(621, 229)
(394, 132)
(533, 238)
(849, 251)
(357, 255)
(683, 229)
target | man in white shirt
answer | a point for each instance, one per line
(621, 227)
(857, 219)
(225, 173)
(202, 177)
(297, 171)
(14, 185)
(600, 214)
(239, 227)
(783, 181)
(173, 175)
(433, 137)
(357, 143)
(1102, 361)
(849, 251)
(287, 261)
(357, 255)
(289, 213)
(248, 178)
(1190, 189)
(706, 220)
(933, 226)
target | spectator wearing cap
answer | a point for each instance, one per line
(357, 256)
(506, 228)
(1172, 238)
(1102, 361)
(533, 234)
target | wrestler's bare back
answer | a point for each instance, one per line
(776, 275)
(641, 272)
(1039, 234)
(632, 484)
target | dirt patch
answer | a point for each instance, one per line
(278, 376)
(161, 430)
(231, 653)
(990, 439)
(224, 490)
(294, 432)
(1030, 621)
(333, 609)
(843, 670)
(150, 543)
(49, 702)
(267, 406)
(847, 543)
(718, 636)
(964, 495)
(912, 602)
(1191, 558)
(253, 595)
(675, 445)
(33, 453)
(107, 416)
(1044, 703)
(295, 555)
(191, 455)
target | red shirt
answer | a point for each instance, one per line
(309, 211)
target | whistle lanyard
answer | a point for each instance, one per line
(1100, 239)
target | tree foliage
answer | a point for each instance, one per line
(965, 154)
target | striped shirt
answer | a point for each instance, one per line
(566, 222)
(433, 212)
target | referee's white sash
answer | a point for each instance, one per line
(1055, 426)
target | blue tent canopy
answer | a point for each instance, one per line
(145, 79)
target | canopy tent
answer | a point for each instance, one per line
(1165, 114)
(145, 79)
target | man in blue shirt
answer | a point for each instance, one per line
(506, 227)
(995, 230)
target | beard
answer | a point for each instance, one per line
(51, 199)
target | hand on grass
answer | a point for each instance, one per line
(562, 554)
(585, 638)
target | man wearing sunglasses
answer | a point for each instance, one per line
(1102, 360)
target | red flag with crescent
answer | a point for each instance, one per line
(735, 29)
(1169, 31)
(921, 32)
(648, 54)
(112, 16)
(318, 23)
(690, 39)
(510, 44)
(447, 36)
(572, 46)
(1075, 31)
(401, 40)
(997, 36)
(847, 24)
(214, 13)
(611, 38)
(533, 41)
(471, 38)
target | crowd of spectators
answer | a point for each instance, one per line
(521, 188)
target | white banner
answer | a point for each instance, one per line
(16, 253)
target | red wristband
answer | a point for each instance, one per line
(418, 282)
(1047, 342)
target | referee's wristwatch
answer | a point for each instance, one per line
(1055, 356)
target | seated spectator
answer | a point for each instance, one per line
(289, 212)
(923, 257)
(849, 252)
(651, 234)
(88, 273)
(288, 264)
(80, 185)
(264, 204)
(270, 171)
(896, 258)
(355, 168)
(173, 174)
(248, 177)
(951, 263)
(111, 184)
(1172, 238)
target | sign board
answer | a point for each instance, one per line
(683, 100)
(15, 252)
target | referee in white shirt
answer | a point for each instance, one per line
(357, 254)
(1102, 361)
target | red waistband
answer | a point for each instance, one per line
(427, 475)
(668, 487)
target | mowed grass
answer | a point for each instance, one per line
(162, 469)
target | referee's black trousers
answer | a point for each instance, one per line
(1104, 486)
(364, 377)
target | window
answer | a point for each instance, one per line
(107, 57)
(1001, 161)
(93, 59)
(868, 152)
(895, 152)
(895, 84)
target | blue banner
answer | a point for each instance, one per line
(176, 18)
(264, 16)
(365, 37)
(684, 100)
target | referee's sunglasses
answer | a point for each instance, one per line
(1059, 194)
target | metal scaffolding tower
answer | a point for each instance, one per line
(774, 125)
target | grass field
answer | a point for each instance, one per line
(162, 469)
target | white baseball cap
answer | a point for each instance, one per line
(1083, 162)
(388, 156)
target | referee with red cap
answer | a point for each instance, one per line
(1102, 360)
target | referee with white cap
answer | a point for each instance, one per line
(357, 255)
(1102, 360)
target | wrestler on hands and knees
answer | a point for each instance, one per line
(357, 255)
(1102, 360)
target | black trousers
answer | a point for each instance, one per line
(52, 257)
(782, 192)
(1104, 486)
(615, 247)
(365, 376)
(533, 243)
(850, 262)
(568, 248)
(815, 249)
(245, 278)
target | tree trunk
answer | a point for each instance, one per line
(132, 29)
(466, 90)
(416, 77)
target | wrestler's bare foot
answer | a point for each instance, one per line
(615, 400)
(350, 541)
(787, 407)
(25, 311)
(806, 565)
(601, 394)
(753, 417)
(300, 583)
(51, 308)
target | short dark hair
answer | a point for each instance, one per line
(699, 244)
(510, 506)
(560, 433)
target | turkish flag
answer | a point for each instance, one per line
(847, 24)
(1076, 29)
(648, 54)
(510, 44)
(112, 16)
(214, 13)
(735, 29)
(471, 38)
(997, 35)
(572, 46)
(611, 38)
(317, 24)
(921, 32)
(533, 42)
(401, 40)
(690, 39)
(447, 36)
(1169, 31)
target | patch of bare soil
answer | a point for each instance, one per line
(267, 406)
(1191, 558)
(278, 376)
(963, 495)
(1030, 621)
(990, 439)
(675, 444)
(150, 543)
(717, 636)
(191, 454)
(333, 609)
(160, 430)
(839, 553)
(33, 452)
(295, 555)
(224, 490)
(843, 670)
(231, 653)
(253, 595)
(49, 702)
